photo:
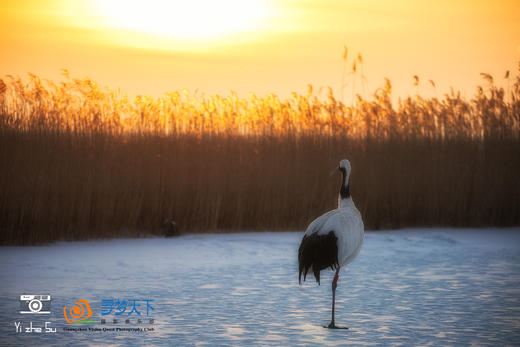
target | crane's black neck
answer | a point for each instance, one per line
(344, 192)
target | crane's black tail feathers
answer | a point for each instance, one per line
(317, 252)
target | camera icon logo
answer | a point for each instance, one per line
(37, 304)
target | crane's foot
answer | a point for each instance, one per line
(334, 326)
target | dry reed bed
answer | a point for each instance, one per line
(80, 161)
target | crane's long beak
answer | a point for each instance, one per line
(333, 171)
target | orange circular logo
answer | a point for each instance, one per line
(79, 312)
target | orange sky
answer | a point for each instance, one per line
(262, 46)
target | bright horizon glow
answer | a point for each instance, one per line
(263, 46)
(184, 20)
(162, 25)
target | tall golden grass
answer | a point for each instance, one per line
(80, 160)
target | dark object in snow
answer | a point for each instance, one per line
(170, 229)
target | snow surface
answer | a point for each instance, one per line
(411, 287)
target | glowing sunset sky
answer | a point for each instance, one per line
(263, 46)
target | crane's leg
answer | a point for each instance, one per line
(334, 285)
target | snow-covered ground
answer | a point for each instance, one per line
(411, 287)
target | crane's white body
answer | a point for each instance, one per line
(347, 225)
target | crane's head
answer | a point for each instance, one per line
(343, 167)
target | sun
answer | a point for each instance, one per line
(186, 20)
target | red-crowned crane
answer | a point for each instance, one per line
(333, 239)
